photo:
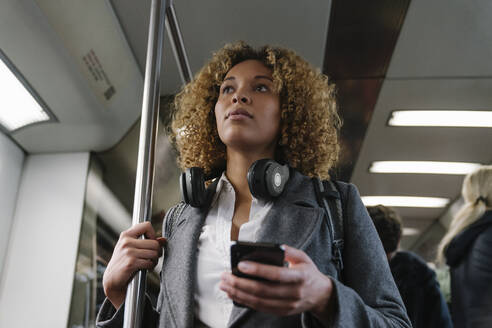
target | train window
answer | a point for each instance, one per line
(103, 218)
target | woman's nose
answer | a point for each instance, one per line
(242, 98)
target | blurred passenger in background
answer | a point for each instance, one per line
(467, 247)
(416, 282)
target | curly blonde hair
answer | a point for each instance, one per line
(309, 126)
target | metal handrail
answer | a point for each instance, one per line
(142, 205)
(179, 49)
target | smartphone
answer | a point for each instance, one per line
(266, 253)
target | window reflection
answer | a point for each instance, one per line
(103, 218)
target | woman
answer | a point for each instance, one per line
(467, 247)
(246, 105)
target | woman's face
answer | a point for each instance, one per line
(248, 109)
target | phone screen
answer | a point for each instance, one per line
(266, 253)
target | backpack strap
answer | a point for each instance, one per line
(342, 206)
(329, 198)
(336, 207)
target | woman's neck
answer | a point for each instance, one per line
(238, 164)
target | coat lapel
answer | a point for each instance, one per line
(290, 223)
(292, 220)
(180, 260)
(180, 265)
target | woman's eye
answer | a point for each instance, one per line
(261, 88)
(226, 89)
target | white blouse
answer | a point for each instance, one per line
(212, 306)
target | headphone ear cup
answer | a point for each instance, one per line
(192, 185)
(276, 177)
(256, 178)
(183, 189)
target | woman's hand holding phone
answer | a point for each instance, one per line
(300, 287)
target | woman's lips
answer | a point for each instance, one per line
(238, 114)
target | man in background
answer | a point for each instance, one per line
(416, 282)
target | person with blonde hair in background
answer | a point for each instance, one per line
(467, 248)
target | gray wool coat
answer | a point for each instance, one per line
(368, 296)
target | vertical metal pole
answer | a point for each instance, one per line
(142, 205)
(177, 43)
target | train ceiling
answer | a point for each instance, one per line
(384, 55)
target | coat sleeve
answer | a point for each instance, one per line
(109, 317)
(368, 296)
(479, 277)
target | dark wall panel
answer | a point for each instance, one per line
(361, 38)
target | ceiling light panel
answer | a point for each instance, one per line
(443, 118)
(405, 201)
(410, 231)
(19, 104)
(423, 167)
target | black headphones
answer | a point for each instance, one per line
(266, 180)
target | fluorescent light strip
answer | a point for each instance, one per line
(18, 107)
(423, 167)
(405, 201)
(449, 118)
(410, 231)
